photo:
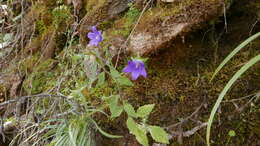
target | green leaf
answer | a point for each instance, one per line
(224, 91)
(129, 109)
(114, 73)
(158, 134)
(115, 109)
(124, 81)
(131, 125)
(140, 133)
(237, 49)
(232, 133)
(76, 57)
(145, 110)
(119, 79)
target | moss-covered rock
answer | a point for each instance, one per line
(164, 23)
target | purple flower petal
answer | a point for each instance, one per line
(135, 74)
(99, 33)
(93, 43)
(94, 29)
(130, 67)
(95, 37)
(127, 69)
(99, 38)
(91, 35)
(143, 72)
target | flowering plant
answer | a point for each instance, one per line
(137, 68)
(95, 37)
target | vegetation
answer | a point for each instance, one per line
(70, 73)
(238, 74)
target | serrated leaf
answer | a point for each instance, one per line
(129, 109)
(115, 109)
(158, 134)
(140, 134)
(145, 110)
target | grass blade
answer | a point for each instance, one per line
(224, 91)
(237, 49)
(105, 133)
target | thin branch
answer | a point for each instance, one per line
(186, 119)
(189, 132)
(30, 96)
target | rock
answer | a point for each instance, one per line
(159, 26)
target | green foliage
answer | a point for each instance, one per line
(41, 79)
(76, 132)
(40, 26)
(231, 133)
(119, 79)
(61, 14)
(128, 21)
(105, 133)
(158, 134)
(234, 52)
(144, 111)
(132, 13)
(115, 109)
(234, 78)
(129, 109)
(138, 131)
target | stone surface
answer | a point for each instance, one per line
(160, 26)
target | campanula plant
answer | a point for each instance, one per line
(118, 105)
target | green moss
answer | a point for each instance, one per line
(27, 64)
(40, 26)
(124, 25)
(94, 4)
(41, 79)
(61, 16)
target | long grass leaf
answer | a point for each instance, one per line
(73, 133)
(105, 133)
(83, 136)
(237, 49)
(224, 91)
